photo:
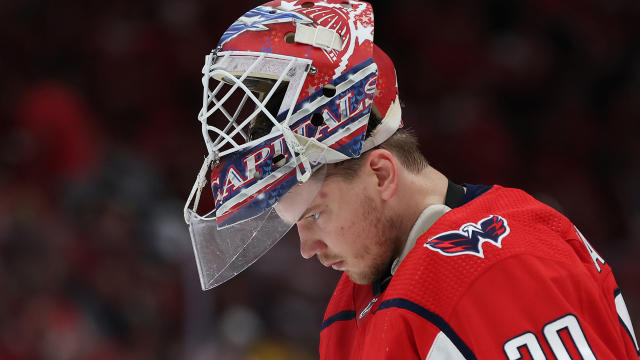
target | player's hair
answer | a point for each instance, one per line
(403, 145)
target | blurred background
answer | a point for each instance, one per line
(99, 147)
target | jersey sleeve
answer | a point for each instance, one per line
(542, 308)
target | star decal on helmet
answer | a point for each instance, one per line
(288, 5)
(257, 19)
(363, 33)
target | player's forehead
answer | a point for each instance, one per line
(325, 190)
(300, 198)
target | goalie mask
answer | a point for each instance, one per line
(289, 89)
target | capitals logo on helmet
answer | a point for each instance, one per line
(470, 237)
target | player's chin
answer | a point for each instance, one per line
(368, 274)
(360, 278)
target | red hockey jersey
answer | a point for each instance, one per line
(501, 277)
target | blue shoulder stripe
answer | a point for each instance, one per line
(341, 316)
(432, 318)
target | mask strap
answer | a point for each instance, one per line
(295, 147)
(196, 190)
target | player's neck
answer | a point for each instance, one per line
(417, 192)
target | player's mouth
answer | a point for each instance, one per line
(336, 265)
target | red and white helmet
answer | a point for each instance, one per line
(289, 88)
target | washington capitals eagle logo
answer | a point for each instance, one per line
(469, 239)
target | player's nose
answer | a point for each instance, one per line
(310, 245)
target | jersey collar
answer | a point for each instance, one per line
(427, 218)
(457, 195)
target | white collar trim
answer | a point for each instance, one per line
(427, 218)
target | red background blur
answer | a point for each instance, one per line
(99, 147)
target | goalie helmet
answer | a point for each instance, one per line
(290, 87)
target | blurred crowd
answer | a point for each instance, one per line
(99, 147)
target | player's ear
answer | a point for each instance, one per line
(384, 166)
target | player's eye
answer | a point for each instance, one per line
(314, 216)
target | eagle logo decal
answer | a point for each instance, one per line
(470, 237)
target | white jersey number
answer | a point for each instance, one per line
(551, 333)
